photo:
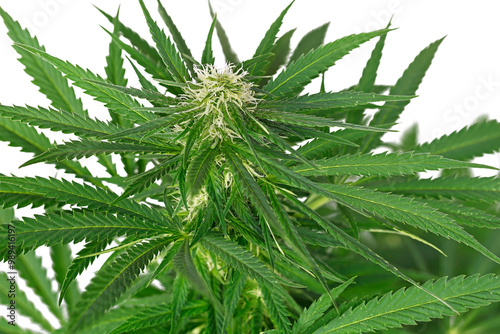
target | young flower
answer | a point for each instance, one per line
(217, 93)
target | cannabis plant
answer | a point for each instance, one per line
(247, 205)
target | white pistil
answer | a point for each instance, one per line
(214, 92)
(197, 203)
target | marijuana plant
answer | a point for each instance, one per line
(247, 206)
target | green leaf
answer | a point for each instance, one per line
(406, 85)
(291, 81)
(240, 259)
(191, 139)
(407, 306)
(383, 164)
(317, 309)
(117, 102)
(114, 62)
(171, 58)
(176, 35)
(13, 195)
(51, 83)
(184, 263)
(465, 215)
(139, 182)
(242, 129)
(153, 66)
(58, 121)
(169, 254)
(6, 215)
(406, 211)
(367, 81)
(150, 127)
(310, 120)
(208, 55)
(116, 74)
(409, 139)
(85, 195)
(230, 55)
(326, 101)
(151, 94)
(319, 148)
(295, 241)
(212, 324)
(276, 309)
(485, 189)
(7, 328)
(232, 294)
(258, 317)
(28, 138)
(146, 84)
(198, 170)
(180, 290)
(280, 51)
(134, 38)
(311, 41)
(79, 264)
(65, 227)
(147, 316)
(21, 135)
(473, 141)
(65, 122)
(115, 317)
(35, 275)
(250, 187)
(351, 243)
(61, 261)
(267, 43)
(87, 148)
(215, 195)
(332, 139)
(24, 306)
(205, 221)
(113, 280)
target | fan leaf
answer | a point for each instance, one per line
(407, 306)
(291, 81)
(113, 280)
(55, 229)
(473, 141)
(383, 164)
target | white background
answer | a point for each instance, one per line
(462, 83)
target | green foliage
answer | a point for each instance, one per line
(291, 81)
(247, 207)
(85, 79)
(65, 227)
(23, 305)
(113, 280)
(407, 84)
(464, 188)
(310, 41)
(50, 82)
(176, 35)
(266, 45)
(317, 309)
(166, 49)
(406, 306)
(228, 51)
(208, 54)
(384, 164)
(480, 138)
